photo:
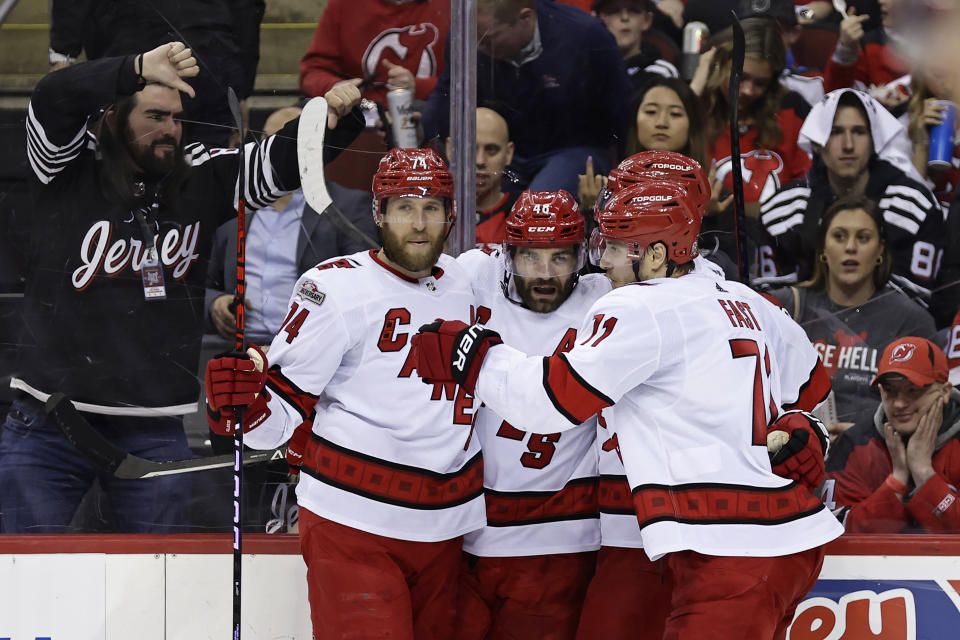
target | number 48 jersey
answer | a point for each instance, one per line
(540, 487)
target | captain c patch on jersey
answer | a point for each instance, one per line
(308, 291)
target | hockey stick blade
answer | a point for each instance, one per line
(110, 459)
(310, 135)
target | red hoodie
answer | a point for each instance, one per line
(354, 37)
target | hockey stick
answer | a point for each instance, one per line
(310, 134)
(739, 209)
(107, 457)
(240, 343)
(310, 138)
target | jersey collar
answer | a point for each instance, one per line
(436, 272)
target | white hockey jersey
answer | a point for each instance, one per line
(697, 368)
(387, 453)
(618, 519)
(540, 487)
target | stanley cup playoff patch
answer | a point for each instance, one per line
(308, 291)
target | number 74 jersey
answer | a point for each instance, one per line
(697, 369)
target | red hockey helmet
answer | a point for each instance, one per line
(543, 220)
(660, 165)
(645, 213)
(420, 173)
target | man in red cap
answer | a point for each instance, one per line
(898, 472)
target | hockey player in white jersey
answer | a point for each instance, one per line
(526, 572)
(697, 369)
(629, 596)
(390, 477)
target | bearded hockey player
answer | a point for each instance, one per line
(696, 369)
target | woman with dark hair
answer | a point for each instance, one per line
(769, 119)
(668, 118)
(769, 116)
(849, 309)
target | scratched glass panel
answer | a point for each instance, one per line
(80, 311)
(74, 317)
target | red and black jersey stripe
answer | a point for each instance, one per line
(570, 394)
(814, 391)
(576, 501)
(293, 395)
(615, 496)
(391, 482)
(714, 503)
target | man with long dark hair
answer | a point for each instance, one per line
(113, 310)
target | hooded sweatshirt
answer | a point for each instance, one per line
(914, 222)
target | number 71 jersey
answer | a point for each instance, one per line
(697, 369)
(540, 487)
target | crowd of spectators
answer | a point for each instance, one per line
(849, 226)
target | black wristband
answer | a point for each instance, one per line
(467, 344)
(138, 68)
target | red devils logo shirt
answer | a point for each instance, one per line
(413, 46)
(761, 174)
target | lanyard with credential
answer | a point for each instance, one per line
(151, 272)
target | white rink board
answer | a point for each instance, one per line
(135, 585)
(150, 597)
(187, 596)
(53, 596)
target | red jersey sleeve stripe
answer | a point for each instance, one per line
(814, 390)
(293, 395)
(572, 396)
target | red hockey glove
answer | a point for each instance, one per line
(297, 446)
(801, 459)
(234, 379)
(449, 350)
(224, 422)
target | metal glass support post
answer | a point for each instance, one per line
(463, 121)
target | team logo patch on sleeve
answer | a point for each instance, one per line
(309, 291)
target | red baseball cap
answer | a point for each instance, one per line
(917, 359)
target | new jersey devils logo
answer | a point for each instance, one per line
(410, 47)
(761, 174)
(902, 353)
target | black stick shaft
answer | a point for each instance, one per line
(240, 344)
(739, 208)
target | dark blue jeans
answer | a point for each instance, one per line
(43, 477)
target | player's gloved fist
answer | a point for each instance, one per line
(224, 421)
(801, 459)
(235, 379)
(297, 446)
(450, 350)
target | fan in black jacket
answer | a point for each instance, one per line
(108, 320)
(848, 163)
